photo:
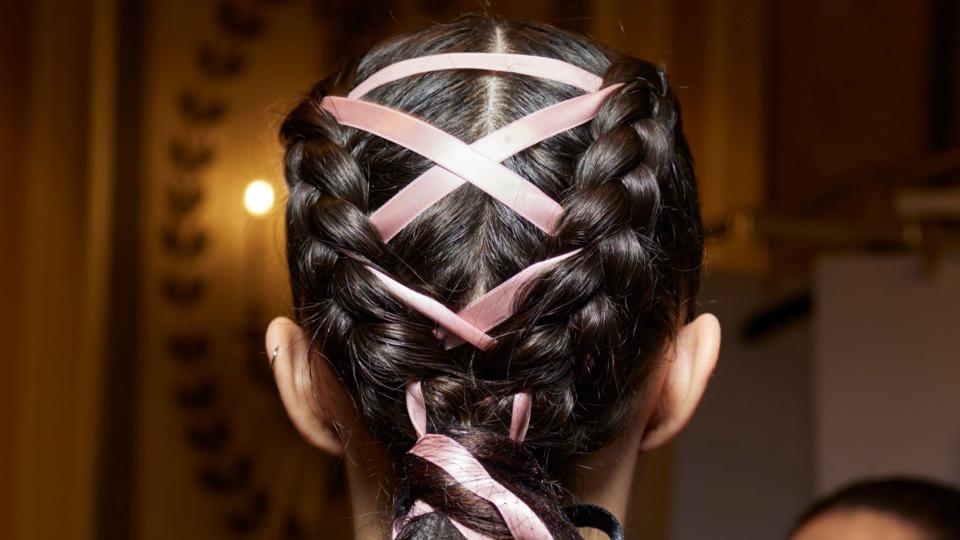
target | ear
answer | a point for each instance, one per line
(694, 356)
(289, 351)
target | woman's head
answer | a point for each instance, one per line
(592, 339)
(888, 508)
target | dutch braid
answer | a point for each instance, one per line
(584, 316)
(330, 242)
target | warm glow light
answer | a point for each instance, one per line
(258, 198)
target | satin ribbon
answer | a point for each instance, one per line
(417, 412)
(450, 153)
(435, 184)
(497, 304)
(523, 64)
(460, 464)
(479, 163)
(469, 473)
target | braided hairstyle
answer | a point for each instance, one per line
(584, 336)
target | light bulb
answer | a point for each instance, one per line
(258, 197)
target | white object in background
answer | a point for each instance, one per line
(887, 372)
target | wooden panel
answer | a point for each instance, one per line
(216, 455)
(56, 370)
(732, 151)
(14, 71)
(715, 54)
(852, 89)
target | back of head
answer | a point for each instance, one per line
(928, 506)
(583, 336)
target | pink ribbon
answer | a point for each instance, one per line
(479, 164)
(417, 412)
(460, 464)
(469, 473)
(435, 184)
(497, 304)
(534, 66)
(439, 313)
(450, 153)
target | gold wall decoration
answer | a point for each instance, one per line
(236, 435)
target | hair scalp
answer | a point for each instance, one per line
(584, 336)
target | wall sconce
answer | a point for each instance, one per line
(258, 197)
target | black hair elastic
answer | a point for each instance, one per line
(595, 517)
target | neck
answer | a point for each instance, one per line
(371, 510)
(607, 479)
(370, 480)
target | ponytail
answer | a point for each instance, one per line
(481, 483)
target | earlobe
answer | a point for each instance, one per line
(290, 360)
(696, 350)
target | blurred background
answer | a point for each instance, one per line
(141, 262)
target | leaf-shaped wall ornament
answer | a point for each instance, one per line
(197, 396)
(240, 20)
(201, 108)
(229, 478)
(210, 435)
(251, 516)
(183, 243)
(184, 291)
(188, 347)
(216, 61)
(190, 157)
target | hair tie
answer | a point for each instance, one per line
(595, 517)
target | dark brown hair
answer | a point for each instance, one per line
(932, 507)
(584, 337)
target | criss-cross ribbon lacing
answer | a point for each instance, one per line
(469, 473)
(478, 163)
